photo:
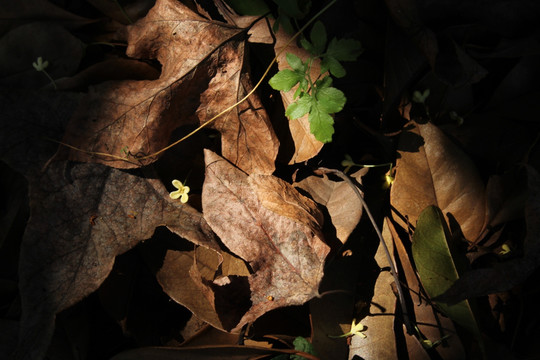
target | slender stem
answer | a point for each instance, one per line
(393, 270)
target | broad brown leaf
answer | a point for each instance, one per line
(267, 223)
(201, 63)
(432, 170)
(81, 216)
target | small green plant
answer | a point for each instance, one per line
(300, 344)
(317, 97)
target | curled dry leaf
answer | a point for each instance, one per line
(201, 63)
(267, 223)
(431, 170)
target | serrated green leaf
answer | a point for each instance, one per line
(344, 49)
(299, 108)
(331, 100)
(439, 264)
(295, 62)
(332, 65)
(285, 80)
(318, 38)
(321, 124)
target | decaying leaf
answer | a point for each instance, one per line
(432, 170)
(267, 223)
(201, 63)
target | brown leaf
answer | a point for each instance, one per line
(285, 250)
(306, 145)
(432, 170)
(81, 215)
(201, 63)
(344, 207)
(431, 325)
(248, 140)
(187, 277)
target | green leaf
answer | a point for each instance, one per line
(299, 108)
(439, 264)
(324, 82)
(331, 100)
(285, 80)
(295, 62)
(344, 49)
(318, 38)
(330, 63)
(301, 344)
(321, 124)
(306, 45)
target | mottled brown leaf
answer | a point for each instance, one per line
(285, 250)
(202, 61)
(81, 216)
(431, 170)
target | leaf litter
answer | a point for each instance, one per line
(261, 233)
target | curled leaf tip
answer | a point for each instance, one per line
(181, 193)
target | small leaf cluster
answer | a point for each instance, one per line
(317, 97)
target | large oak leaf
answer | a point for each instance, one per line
(431, 170)
(267, 223)
(201, 65)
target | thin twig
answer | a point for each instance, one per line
(340, 174)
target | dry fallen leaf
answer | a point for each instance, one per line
(81, 216)
(341, 201)
(202, 61)
(431, 170)
(267, 223)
